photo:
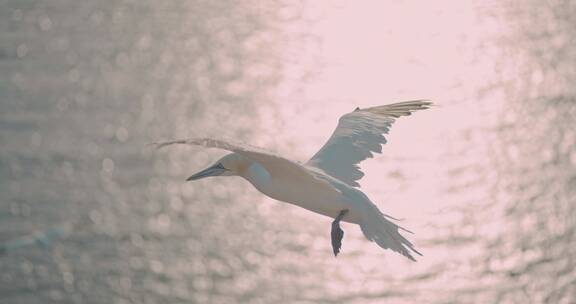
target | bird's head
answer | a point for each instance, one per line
(230, 165)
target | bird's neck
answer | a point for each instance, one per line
(258, 176)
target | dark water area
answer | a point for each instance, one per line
(90, 214)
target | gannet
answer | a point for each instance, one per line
(327, 183)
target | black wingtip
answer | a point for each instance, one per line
(156, 145)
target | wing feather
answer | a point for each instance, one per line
(358, 135)
(276, 165)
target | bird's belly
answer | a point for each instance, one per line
(328, 204)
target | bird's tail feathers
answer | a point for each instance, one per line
(376, 227)
(398, 220)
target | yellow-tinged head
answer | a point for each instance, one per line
(230, 165)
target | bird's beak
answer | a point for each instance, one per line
(215, 170)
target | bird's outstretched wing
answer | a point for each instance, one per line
(277, 166)
(358, 135)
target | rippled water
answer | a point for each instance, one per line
(89, 214)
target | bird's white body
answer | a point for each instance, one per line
(327, 183)
(322, 198)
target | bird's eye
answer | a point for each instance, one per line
(220, 166)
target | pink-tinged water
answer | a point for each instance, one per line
(486, 179)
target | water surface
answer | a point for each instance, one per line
(89, 214)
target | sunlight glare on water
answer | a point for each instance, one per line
(485, 179)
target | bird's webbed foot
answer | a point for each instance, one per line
(337, 232)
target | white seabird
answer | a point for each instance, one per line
(327, 183)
